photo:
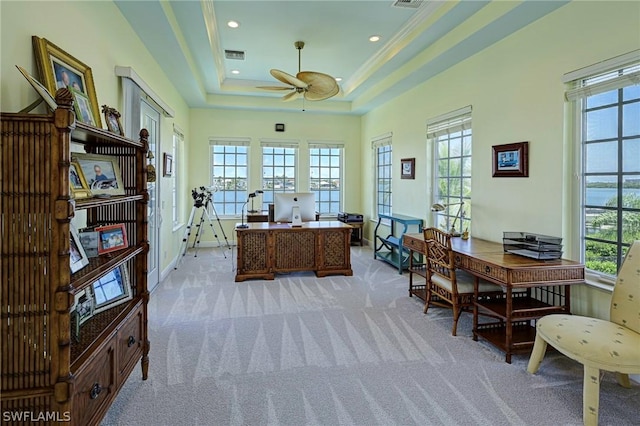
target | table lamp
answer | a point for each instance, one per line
(437, 207)
(252, 196)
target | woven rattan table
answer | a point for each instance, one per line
(265, 249)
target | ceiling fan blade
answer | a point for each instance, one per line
(320, 86)
(275, 88)
(290, 96)
(288, 78)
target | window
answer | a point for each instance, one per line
(229, 169)
(451, 138)
(607, 106)
(382, 152)
(325, 177)
(176, 195)
(279, 161)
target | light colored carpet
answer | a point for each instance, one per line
(357, 350)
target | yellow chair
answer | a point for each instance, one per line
(598, 344)
(447, 286)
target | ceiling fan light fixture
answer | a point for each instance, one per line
(313, 86)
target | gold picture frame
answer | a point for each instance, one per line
(59, 69)
(77, 182)
(101, 172)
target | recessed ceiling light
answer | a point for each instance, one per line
(374, 38)
(338, 78)
(233, 24)
(235, 72)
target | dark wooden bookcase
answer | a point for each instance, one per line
(48, 372)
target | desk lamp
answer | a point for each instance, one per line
(437, 207)
(252, 196)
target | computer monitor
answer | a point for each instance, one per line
(284, 203)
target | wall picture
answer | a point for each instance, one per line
(511, 160)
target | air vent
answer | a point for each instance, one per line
(407, 4)
(234, 54)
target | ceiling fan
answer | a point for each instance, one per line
(313, 86)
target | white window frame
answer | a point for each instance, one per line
(291, 148)
(219, 202)
(176, 178)
(377, 144)
(320, 146)
(581, 84)
(440, 129)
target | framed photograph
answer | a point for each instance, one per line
(168, 165)
(112, 117)
(77, 257)
(511, 160)
(89, 241)
(58, 69)
(111, 289)
(112, 238)
(77, 182)
(40, 89)
(83, 305)
(101, 173)
(82, 106)
(408, 168)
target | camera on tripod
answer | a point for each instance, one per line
(201, 197)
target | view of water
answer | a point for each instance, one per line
(600, 196)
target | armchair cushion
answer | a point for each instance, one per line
(599, 343)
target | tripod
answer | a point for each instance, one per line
(201, 201)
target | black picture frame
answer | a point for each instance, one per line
(511, 160)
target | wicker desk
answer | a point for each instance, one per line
(545, 283)
(267, 248)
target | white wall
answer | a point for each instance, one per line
(96, 33)
(516, 93)
(257, 125)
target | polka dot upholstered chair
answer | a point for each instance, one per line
(597, 344)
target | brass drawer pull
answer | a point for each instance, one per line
(131, 341)
(95, 391)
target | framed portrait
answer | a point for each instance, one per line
(112, 118)
(77, 182)
(58, 69)
(511, 160)
(408, 168)
(112, 238)
(77, 257)
(40, 89)
(89, 241)
(111, 289)
(168, 165)
(101, 173)
(82, 107)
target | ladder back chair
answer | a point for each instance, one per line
(447, 286)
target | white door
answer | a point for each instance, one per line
(150, 120)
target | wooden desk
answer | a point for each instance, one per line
(545, 287)
(267, 248)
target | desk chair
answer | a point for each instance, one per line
(598, 344)
(447, 286)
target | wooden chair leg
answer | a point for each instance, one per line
(590, 396)
(537, 354)
(456, 315)
(427, 298)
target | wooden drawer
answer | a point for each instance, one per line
(95, 387)
(414, 244)
(129, 343)
(487, 270)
